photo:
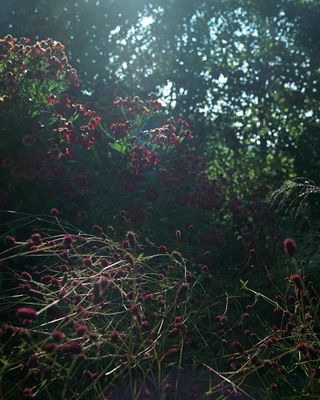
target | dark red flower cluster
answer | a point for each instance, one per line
(289, 247)
(136, 106)
(121, 129)
(26, 313)
(170, 134)
(142, 159)
(45, 59)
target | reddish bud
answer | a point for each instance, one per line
(289, 247)
(26, 313)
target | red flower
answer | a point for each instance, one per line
(27, 394)
(97, 229)
(36, 238)
(298, 281)
(289, 247)
(54, 212)
(26, 313)
(114, 336)
(87, 262)
(57, 336)
(163, 249)
(49, 347)
(238, 346)
(71, 347)
(10, 240)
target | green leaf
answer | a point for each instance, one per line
(119, 147)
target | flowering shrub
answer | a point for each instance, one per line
(44, 130)
(138, 296)
(136, 170)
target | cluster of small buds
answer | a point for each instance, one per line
(121, 129)
(114, 336)
(26, 313)
(289, 247)
(170, 134)
(69, 134)
(142, 159)
(45, 59)
(73, 347)
(136, 106)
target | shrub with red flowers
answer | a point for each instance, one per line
(43, 130)
(137, 169)
(169, 236)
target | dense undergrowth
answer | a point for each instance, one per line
(126, 270)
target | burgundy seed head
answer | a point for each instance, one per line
(130, 295)
(73, 347)
(104, 282)
(302, 329)
(65, 254)
(33, 360)
(81, 329)
(10, 240)
(298, 281)
(132, 238)
(125, 244)
(26, 313)
(87, 262)
(36, 238)
(144, 325)
(238, 346)
(104, 262)
(302, 346)
(147, 298)
(133, 309)
(254, 359)
(171, 352)
(54, 212)
(167, 387)
(68, 241)
(57, 336)
(63, 267)
(27, 394)
(182, 290)
(26, 276)
(111, 230)
(25, 287)
(46, 279)
(163, 249)
(118, 273)
(114, 336)
(97, 229)
(291, 299)
(49, 347)
(289, 247)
